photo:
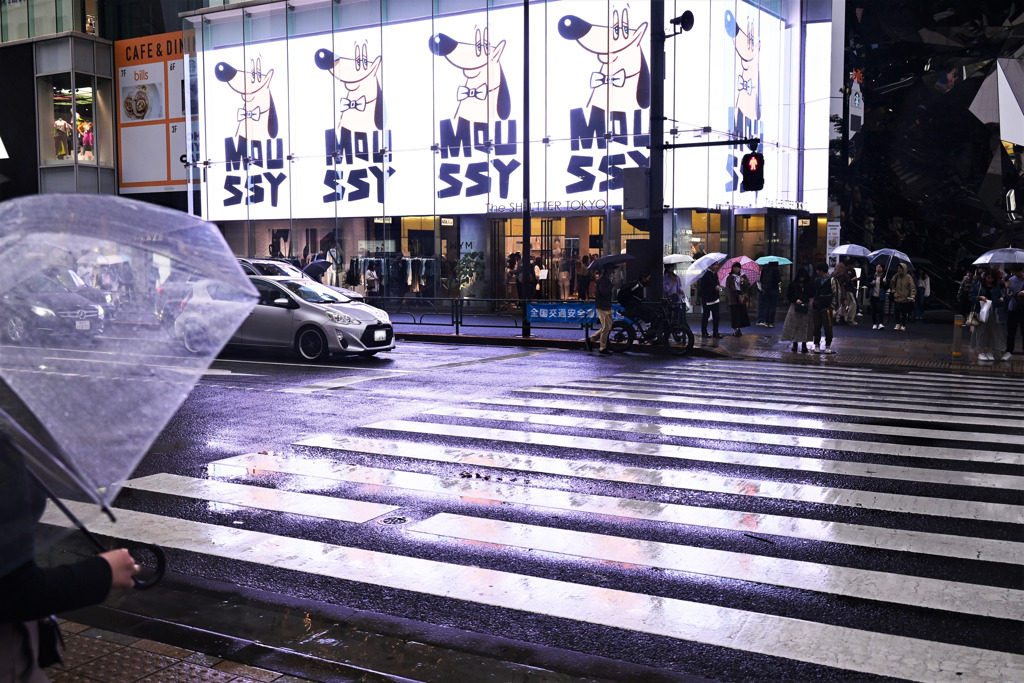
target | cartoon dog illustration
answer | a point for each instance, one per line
(624, 81)
(485, 95)
(257, 117)
(362, 107)
(748, 49)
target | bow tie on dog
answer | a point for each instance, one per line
(465, 93)
(253, 114)
(359, 104)
(617, 79)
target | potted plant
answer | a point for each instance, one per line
(465, 272)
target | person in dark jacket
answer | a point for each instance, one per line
(799, 321)
(28, 592)
(603, 304)
(826, 302)
(768, 301)
(709, 290)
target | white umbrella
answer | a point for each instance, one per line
(698, 267)
(677, 258)
(1008, 255)
(851, 250)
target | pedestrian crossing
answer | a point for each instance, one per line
(724, 519)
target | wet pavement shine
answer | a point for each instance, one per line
(742, 513)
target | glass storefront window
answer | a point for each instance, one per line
(103, 122)
(58, 132)
(85, 117)
(44, 17)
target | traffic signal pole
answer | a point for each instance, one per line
(656, 189)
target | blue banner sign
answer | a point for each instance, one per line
(581, 312)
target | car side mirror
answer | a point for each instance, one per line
(282, 302)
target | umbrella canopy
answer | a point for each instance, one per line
(747, 267)
(316, 269)
(1008, 255)
(696, 269)
(677, 258)
(778, 260)
(888, 258)
(90, 400)
(93, 258)
(851, 250)
(610, 260)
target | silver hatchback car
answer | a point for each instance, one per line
(301, 314)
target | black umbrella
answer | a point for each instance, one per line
(316, 269)
(610, 260)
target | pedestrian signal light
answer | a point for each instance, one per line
(752, 168)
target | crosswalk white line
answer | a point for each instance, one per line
(827, 407)
(849, 649)
(776, 421)
(915, 591)
(899, 540)
(606, 471)
(292, 502)
(789, 440)
(931, 381)
(891, 394)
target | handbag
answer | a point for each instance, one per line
(51, 642)
(985, 310)
(800, 308)
(972, 318)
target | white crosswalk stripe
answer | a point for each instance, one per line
(798, 496)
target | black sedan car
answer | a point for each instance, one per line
(41, 309)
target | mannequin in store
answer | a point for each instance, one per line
(333, 276)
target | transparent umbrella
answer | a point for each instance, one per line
(1001, 256)
(696, 269)
(83, 397)
(851, 250)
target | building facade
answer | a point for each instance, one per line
(401, 133)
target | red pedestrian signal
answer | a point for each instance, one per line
(752, 168)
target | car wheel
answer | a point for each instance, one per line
(311, 344)
(195, 338)
(16, 330)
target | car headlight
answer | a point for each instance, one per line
(108, 297)
(381, 315)
(43, 312)
(100, 312)
(341, 318)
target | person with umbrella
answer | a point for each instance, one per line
(1014, 306)
(989, 336)
(736, 293)
(768, 302)
(903, 293)
(29, 593)
(709, 291)
(603, 304)
(878, 288)
(826, 302)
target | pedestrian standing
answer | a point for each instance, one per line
(852, 286)
(1014, 307)
(990, 336)
(768, 301)
(878, 291)
(798, 325)
(826, 302)
(736, 294)
(603, 304)
(924, 290)
(709, 291)
(903, 292)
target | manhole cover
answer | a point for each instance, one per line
(394, 520)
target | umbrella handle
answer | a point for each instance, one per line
(147, 582)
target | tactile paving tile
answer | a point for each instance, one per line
(183, 672)
(125, 666)
(69, 677)
(79, 649)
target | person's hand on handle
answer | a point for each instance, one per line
(122, 568)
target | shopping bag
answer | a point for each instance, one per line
(985, 310)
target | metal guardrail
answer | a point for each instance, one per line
(461, 313)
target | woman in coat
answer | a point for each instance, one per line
(736, 293)
(989, 338)
(903, 294)
(799, 325)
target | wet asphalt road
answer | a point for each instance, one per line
(538, 464)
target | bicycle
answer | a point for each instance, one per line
(667, 330)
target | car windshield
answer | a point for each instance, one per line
(67, 277)
(278, 269)
(314, 292)
(40, 284)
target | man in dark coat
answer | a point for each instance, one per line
(709, 291)
(603, 304)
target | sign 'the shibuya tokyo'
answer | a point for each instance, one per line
(426, 117)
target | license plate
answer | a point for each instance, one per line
(81, 324)
(380, 335)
